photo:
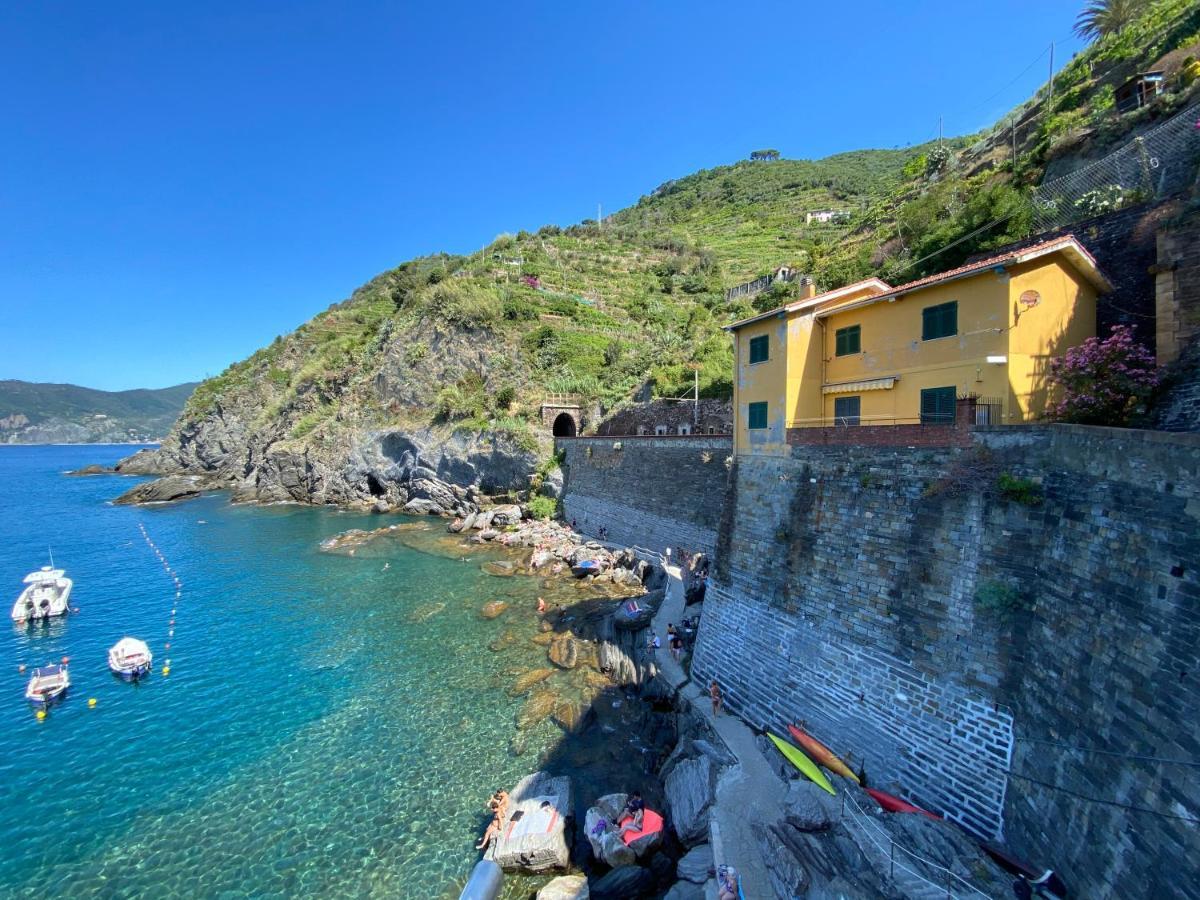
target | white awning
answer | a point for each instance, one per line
(854, 387)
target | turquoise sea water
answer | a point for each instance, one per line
(328, 727)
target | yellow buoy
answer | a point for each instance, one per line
(91, 701)
(166, 670)
(41, 714)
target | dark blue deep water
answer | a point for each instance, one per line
(328, 728)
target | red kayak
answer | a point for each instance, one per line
(821, 754)
(892, 803)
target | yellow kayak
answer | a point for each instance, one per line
(797, 758)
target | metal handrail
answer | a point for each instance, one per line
(893, 844)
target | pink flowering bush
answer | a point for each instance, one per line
(1103, 382)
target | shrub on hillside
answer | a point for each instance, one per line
(1103, 382)
(542, 507)
(459, 306)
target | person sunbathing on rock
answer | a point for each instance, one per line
(493, 831)
(635, 811)
(499, 802)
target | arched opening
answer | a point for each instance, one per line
(564, 425)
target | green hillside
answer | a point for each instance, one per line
(32, 412)
(601, 310)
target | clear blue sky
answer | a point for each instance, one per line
(180, 182)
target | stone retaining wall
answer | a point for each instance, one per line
(972, 647)
(647, 492)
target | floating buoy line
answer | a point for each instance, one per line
(166, 669)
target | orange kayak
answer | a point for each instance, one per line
(821, 754)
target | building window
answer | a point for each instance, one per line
(849, 340)
(846, 410)
(660, 429)
(685, 429)
(939, 321)
(937, 406)
(757, 415)
(759, 348)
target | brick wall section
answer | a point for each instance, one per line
(851, 599)
(716, 415)
(652, 492)
(1177, 290)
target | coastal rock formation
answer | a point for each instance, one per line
(810, 808)
(690, 790)
(623, 883)
(565, 887)
(696, 865)
(423, 469)
(144, 462)
(166, 489)
(537, 842)
(93, 469)
(685, 890)
(599, 826)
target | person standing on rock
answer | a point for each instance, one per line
(714, 692)
(655, 643)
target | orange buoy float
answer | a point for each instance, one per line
(65, 660)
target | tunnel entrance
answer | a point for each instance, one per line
(564, 425)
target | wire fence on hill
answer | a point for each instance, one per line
(1154, 165)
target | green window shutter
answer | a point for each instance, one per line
(937, 406)
(846, 410)
(757, 415)
(759, 348)
(849, 340)
(939, 321)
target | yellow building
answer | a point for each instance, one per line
(873, 354)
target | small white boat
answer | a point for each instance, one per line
(49, 683)
(130, 659)
(47, 594)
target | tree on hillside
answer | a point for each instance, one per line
(764, 154)
(1101, 18)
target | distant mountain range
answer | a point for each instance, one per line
(34, 413)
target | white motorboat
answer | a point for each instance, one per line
(47, 595)
(49, 683)
(130, 658)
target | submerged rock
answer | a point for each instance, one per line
(570, 715)
(563, 651)
(537, 709)
(493, 608)
(526, 682)
(499, 567)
